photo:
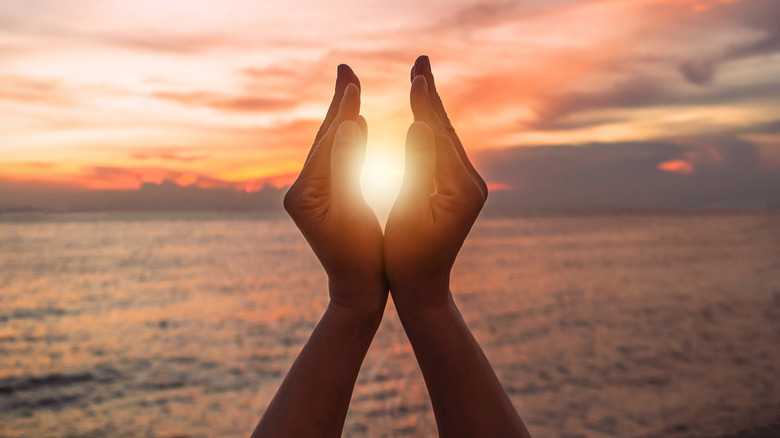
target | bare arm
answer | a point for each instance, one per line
(441, 197)
(327, 206)
(314, 396)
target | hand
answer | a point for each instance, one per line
(328, 207)
(440, 198)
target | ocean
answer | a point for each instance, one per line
(183, 325)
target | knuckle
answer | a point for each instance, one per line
(482, 186)
(474, 197)
(291, 200)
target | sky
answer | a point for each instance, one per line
(561, 103)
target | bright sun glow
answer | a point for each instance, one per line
(381, 179)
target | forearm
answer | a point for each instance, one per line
(468, 400)
(314, 396)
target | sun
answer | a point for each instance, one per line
(380, 179)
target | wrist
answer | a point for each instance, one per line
(430, 294)
(356, 298)
(430, 317)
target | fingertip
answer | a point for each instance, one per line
(415, 68)
(421, 62)
(344, 71)
(422, 65)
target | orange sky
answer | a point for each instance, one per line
(109, 94)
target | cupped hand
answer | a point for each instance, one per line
(327, 205)
(440, 198)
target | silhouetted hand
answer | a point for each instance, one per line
(327, 205)
(440, 198)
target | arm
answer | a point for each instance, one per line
(327, 206)
(314, 396)
(440, 198)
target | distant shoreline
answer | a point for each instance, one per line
(25, 215)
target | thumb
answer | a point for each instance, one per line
(346, 162)
(420, 166)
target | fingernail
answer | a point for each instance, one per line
(348, 131)
(426, 62)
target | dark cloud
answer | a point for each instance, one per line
(772, 127)
(165, 43)
(568, 124)
(297, 134)
(150, 40)
(702, 71)
(632, 93)
(489, 13)
(702, 173)
(482, 14)
(42, 165)
(725, 173)
(203, 193)
(754, 15)
(252, 104)
(165, 196)
(552, 111)
(12, 187)
(266, 72)
(168, 156)
(227, 103)
(108, 172)
(104, 176)
(27, 89)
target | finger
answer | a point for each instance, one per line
(318, 163)
(452, 177)
(361, 121)
(422, 67)
(420, 166)
(344, 77)
(346, 162)
(420, 101)
(349, 109)
(451, 173)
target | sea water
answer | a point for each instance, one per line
(183, 325)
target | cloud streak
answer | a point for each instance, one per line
(248, 103)
(210, 94)
(646, 175)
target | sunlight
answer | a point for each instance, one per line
(381, 179)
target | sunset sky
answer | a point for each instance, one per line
(108, 94)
